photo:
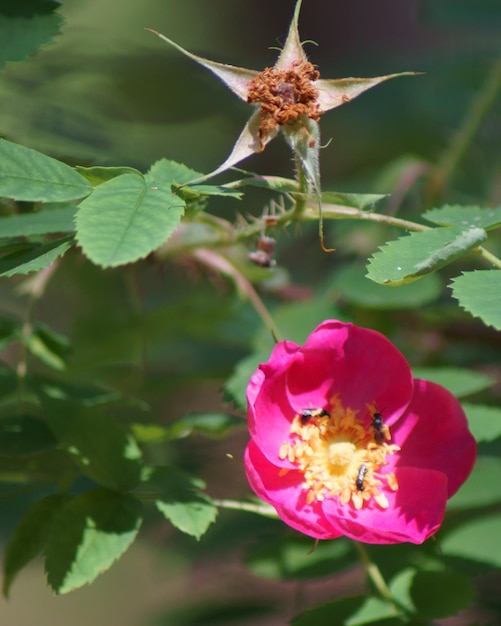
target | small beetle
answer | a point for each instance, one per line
(307, 414)
(362, 473)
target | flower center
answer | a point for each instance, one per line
(341, 455)
(284, 96)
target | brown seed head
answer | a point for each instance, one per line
(285, 96)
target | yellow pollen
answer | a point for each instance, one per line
(339, 456)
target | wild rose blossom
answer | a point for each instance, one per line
(345, 442)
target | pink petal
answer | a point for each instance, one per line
(285, 494)
(269, 412)
(359, 364)
(415, 511)
(440, 439)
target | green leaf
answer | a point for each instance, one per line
(29, 175)
(415, 255)
(126, 218)
(34, 257)
(61, 390)
(50, 347)
(88, 535)
(30, 537)
(441, 594)
(40, 223)
(349, 611)
(236, 386)
(465, 216)
(98, 175)
(293, 558)
(172, 175)
(211, 424)
(483, 487)
(353, 286)
(477, 540)
(188, 510)
(23, 36)
(102, 450)
(460, 382)
(478, 292)
(485, 421)
(22, 435)
(354, 200)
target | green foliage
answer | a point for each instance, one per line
(477, 292)
(23, 30)
(29, 175)
(464, 216)
(110, 379)
(477, 540)
(179, 500)
(418, 254)
(126, 218)
(87, 535)
(101, 449)
(351, 284)
(30, 537)
(460, 382)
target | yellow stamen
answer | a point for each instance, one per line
(339, 456)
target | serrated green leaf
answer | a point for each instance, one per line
(484, 421)
(441, 594)
(97, 175)
(479, 540)
(34, 257)
(30, 537)
(354, 200)
(88, 534)
(465, 216)
(353, 286)
(126, 218)
(483, 487)
(22, 435)
(460, 382)
(102, 450)
(412, 256)
(22, 36)
(478, 293)
(29, 175)
(40, 223)
(187, 509)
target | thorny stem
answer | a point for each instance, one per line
(374, 574)
(308, 213)
(455, 151)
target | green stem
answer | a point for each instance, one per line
(375, 576)
(250, 507)
(462, 139)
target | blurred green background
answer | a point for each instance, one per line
(107, 92)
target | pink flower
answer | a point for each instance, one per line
(345, 442)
